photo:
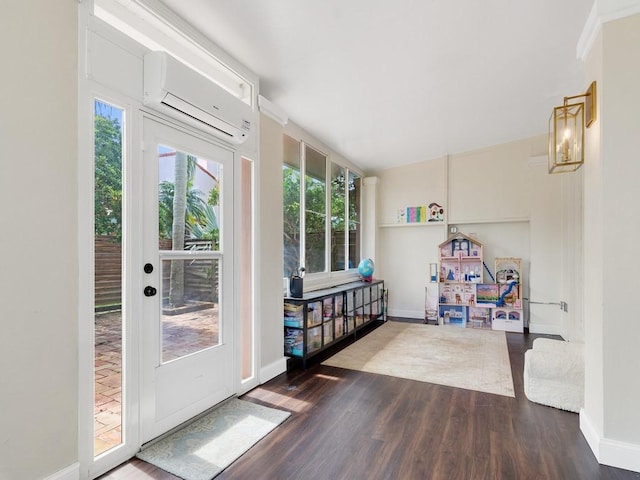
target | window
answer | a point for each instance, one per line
(108, 276)
(189, 218)
(338, 212)
(355, 182)
(291, 213)
(315, 209)
(321, 214)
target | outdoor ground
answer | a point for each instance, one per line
(181, 334)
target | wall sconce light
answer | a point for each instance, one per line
(566, 131)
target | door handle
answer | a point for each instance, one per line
(149, 291)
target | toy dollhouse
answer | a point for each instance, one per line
(465, 300)
(460, 269)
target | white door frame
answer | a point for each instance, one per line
(90, 465)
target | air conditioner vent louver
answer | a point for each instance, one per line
(179, 91)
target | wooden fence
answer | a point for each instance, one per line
(108, 274)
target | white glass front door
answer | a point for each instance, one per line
(187, 324)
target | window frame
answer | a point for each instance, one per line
(328, 277)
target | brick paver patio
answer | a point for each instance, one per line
(182, 334)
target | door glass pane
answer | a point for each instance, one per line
(188, 201)
(315, 210)
(291, 205)
(194, 325)
(108, 320)
(337, 217)
(355, 182)
(189, 220)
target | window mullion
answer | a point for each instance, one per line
(303, 204)
(327, 218)
(347, 224)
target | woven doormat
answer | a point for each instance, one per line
(205, 447)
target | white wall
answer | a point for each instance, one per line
(403, 264)
(270, 247)
(572, 274)
(546, 252)
(510, 203)
(405, 252)
(410, 186)
(492, 183)
(611, 418)
(593, 260)
(38, 205)
(620, 133)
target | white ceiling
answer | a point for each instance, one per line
(392, 82)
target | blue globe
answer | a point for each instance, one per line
(366, 267)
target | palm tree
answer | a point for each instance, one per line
(182, 211)
(194, 202)
(176, 283)
(206, 227)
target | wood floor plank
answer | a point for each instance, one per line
(353, 425)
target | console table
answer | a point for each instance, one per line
(324, 317)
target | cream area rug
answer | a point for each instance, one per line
(446, 355)
(205, 447)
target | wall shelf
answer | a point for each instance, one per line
(416, 224)
(490, 220)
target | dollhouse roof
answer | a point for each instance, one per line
(460, 236)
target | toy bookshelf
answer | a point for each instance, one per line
(322, 318)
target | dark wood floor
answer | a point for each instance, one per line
(356, 425)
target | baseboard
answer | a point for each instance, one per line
(72, 472)
(610, 452)
(590, 434)
(392, 312)
(545, 329)
(273, 369)
(620, 454)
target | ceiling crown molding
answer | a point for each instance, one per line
(272, 111)
(370, 180)
(603, 11)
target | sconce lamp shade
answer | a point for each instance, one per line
(566, 131)
(566, 135)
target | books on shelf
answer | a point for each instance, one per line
(293, 315)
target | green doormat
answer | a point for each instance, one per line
(202, 449)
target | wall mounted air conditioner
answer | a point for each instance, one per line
(176, 90)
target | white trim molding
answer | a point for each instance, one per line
(590, 434)
(546, 329)
(272, 111)
(72, 472)
(273, 370)
(392, 312)
(369, 218)
(371, 180)
(610, 452)
(603, 11)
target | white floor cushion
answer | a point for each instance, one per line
(554, 374)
